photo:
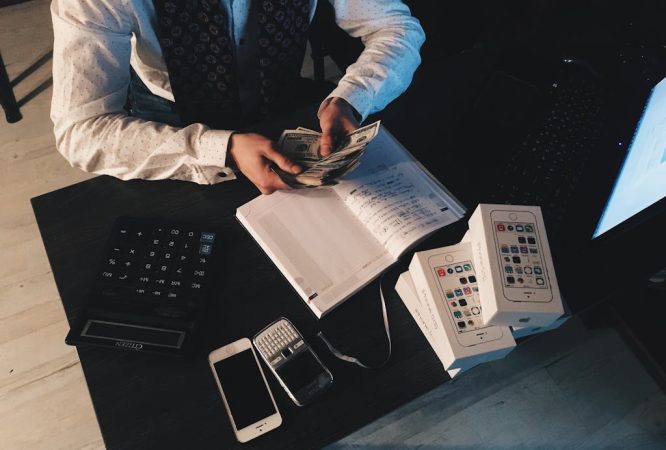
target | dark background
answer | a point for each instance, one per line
(455, 121)
(458, 109)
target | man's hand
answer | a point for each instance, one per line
(336, 119)
(254, 154)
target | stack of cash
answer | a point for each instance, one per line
(302, 147)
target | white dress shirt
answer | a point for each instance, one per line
(96, 41)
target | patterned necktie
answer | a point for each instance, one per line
(199, 54)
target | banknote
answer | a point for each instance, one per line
(302, 146)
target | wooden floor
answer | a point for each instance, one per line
(572, 388)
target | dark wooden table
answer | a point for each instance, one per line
(146, 401)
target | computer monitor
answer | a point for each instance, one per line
(641, 182)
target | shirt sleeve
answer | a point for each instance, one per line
(392, 39)
(93, 132)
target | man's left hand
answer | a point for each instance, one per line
(336, 119)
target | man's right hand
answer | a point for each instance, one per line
(254, 154)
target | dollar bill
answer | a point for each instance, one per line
(307, 130)
(302, 146)
(362, 135)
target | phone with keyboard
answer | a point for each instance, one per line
(293, 362)
(149, 291)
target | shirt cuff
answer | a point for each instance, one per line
(356, 97)
(212, 155)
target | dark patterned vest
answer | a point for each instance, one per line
(200, 57)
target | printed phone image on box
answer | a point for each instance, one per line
(456, 285)
(516, 275)
(405, 289)
(446, 284)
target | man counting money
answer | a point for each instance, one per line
(154, 89)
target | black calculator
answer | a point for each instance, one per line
(150, 290)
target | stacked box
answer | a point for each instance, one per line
(516, 277)
(449, 313)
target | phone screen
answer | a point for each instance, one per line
(459, 290)
(300, 370)
(244, 388)
(520, 255)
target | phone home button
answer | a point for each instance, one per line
(448, 258)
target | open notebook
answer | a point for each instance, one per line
(330, 242)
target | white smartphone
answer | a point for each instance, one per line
(293, 362)
(456, 281)
(245, 393)
(521, 255)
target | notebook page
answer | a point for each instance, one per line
(317, 243)
(395, 198)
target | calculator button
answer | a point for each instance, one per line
(207, 237)
(276, 360)
(170, 312)
(151, 269)
(298, 344)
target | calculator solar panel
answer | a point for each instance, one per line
(150, 289)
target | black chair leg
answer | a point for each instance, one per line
(7, 98)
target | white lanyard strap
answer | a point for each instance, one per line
(351, 359)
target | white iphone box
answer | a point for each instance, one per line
(521, 332)
(405, 289)
(516, 277)
(446, 288)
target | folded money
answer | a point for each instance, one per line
(302, 147)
